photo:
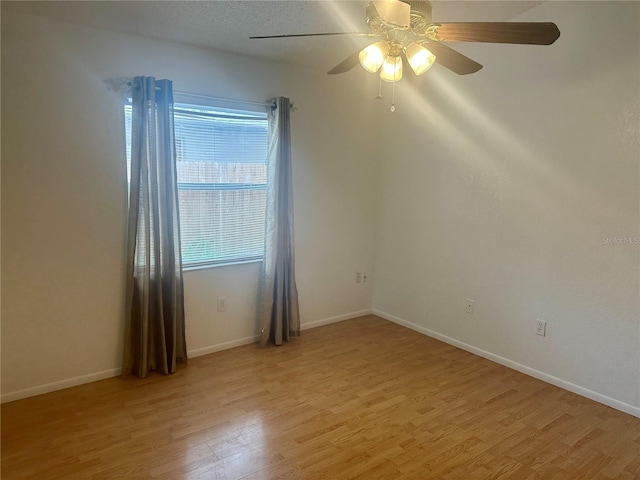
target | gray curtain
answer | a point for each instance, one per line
(279, 312)
(154, 329)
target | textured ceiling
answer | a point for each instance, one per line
(227, 25)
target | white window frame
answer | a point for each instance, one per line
(249, 110)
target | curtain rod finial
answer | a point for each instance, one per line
(120, 85)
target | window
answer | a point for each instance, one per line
(221, 157)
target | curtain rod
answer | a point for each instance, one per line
(123, 84)
(222, 99)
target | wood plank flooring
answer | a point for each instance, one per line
(360, 399)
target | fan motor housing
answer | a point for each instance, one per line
(382, 18)
(420, 15)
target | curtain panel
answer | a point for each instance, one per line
(154, 320)
(279, 310)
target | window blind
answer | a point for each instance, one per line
(221, 159)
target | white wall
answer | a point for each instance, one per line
(501, 186)
(63, 197)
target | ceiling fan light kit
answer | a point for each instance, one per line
(420, 59)
(386, 56)
(391, 70)
(372, 57)
(398, 22)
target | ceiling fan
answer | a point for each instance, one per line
(405, 34)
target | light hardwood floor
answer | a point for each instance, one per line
(364, 398)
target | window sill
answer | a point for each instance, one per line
(215, 265)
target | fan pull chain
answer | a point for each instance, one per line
(393, 97)
(379, 97)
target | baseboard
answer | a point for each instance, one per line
(197, 352)
(339, 318)
(545, 377)
(62, 384)
(253, 339)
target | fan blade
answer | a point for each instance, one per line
(543, 33)
(359, 34)
(449, 58)
(345, 65)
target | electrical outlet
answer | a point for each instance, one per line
(222, 304)
(359, 277)
(469, 305)
(364, 277)
(541, 328)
